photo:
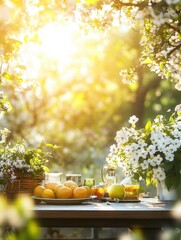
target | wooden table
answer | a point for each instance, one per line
(149, 215)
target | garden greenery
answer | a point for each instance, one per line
(158, 23)
(17, 158)
(152, 152)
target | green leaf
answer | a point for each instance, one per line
(170, 182)
(168, 74)
(177, 180)
(162, 65)
(168, 166)
(52, 146)
(6, 75)
(49, 145)
(148, 126)
(147, 61)
(46, 169)
(171, 119)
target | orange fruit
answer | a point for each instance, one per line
(57, 187)
(64, 192)
(98, 191)
(89, 191)
(48, 193)
(80, 192)
(71, 184)
(51, 185)
(38, 191)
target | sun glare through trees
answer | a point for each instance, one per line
(65, 66)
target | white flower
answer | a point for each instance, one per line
(159, 174)
(177, 143)
(155, 137)
(122, 136)
(165, 141)
(178, 86)
(143, 153)
(151, 149)
(113, 148)
(21, 148)
(169, 157)
(134, 146)
(133, 119)
(158, 159)
(128, 149)
(171, 148)
(158, 119)
(146, 151)
(13, 177)
(142, 144)
(176, 133)
(152, 161)
(134, 160)
(136, 154)
(178, 108)
(161, 148)
(144, 165)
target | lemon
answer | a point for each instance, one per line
(117, 191)
(38, 191)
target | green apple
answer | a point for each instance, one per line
(117, 191)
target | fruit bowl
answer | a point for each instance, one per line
(63, 201)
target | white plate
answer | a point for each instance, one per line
(63, 201)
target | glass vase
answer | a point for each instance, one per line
(164, 194)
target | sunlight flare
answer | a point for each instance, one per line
(57, 40)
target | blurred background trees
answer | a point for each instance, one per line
(64, 83)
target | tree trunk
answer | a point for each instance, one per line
(142, 90)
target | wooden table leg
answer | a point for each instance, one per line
(95, 233)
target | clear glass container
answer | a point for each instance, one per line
(108, 176)
(53, 177)
(76, 177)
(90, 182)
(131, 188)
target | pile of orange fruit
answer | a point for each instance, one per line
(62, 191)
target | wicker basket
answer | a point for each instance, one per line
(23, 184)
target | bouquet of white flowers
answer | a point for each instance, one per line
(153, 152)
(18, 158)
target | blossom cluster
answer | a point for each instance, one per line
(18, 158)
(158, 22)
(9, 166)
(150, 151)
(128, 76)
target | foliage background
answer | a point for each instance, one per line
(68, 89)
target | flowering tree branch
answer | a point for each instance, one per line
(173, 50)
(119, 4)
(173, 27)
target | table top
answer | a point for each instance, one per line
(149, 212)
